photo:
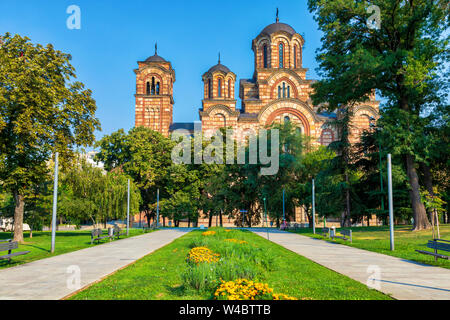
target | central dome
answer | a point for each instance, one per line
(155, 58)
(219, 67)
(275, 27)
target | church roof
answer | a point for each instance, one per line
(182, 125)
(219, 67)
(278, 26)
(155, 58)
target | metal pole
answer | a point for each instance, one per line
(313, 207)
(128, 209)
(381, 179)
(391, 203)
(157, 208)
(55, 202)
(284, 214)
(265, 218)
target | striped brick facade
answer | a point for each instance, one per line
(278, 91)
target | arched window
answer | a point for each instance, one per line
(153, 86)
(209, 89)
(265, 55)
(281, 55)
(148, 88)
(279, 92)
(219, 87)
(295, 56)
(287, 119)
(157, 88)
(222, 120)
(288, 91)
(284, 90)
(229, 88)
(298, 130)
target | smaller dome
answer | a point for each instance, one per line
(219, 67)
(155, 58)
(275, 27)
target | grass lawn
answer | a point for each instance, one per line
(167, 275)
(405, 242)
(40, 244)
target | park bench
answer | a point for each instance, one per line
(9, 245)
(345, 235)
(97, 235)
(326, 232)
(117, 232)
(437, 244)
(147, 228)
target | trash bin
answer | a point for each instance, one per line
(332, 232)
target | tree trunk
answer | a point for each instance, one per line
(220, 218)
(420, 215)
(210, 220)
(18, 216)
(189, 222)
(428, 182)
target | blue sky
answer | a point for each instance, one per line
(115, 35)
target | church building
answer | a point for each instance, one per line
(279, 91)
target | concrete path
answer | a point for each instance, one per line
(402, 279)
(56, 277)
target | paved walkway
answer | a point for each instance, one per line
(53, 278)
(402, 279)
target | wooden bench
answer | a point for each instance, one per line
(117, 232)
(97, 235)
(10, 245)
(437, 244)
(326, 232)
(147, 228)
(345, 235)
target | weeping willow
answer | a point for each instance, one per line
(90, 193)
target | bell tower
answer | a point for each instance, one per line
(154, 94)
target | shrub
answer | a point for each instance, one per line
(200, 277)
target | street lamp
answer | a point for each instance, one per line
(372, 125)
(284, 214)
(265, 217)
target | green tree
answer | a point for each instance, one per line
(144, 155)
(87, 193)
(401, 59)
(42, 110)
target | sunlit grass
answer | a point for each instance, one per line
(40, 244)
(406, 242)
(162, 275)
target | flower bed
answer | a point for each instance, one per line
(236, 241)
(244, 289)
(208, 233)
(202, 254)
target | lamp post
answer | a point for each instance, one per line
(265, 218)
(372, 125)
(157, 208)
(284, 214)
(391, 203)
(313, 207)
(128, 209)
(55, 202)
